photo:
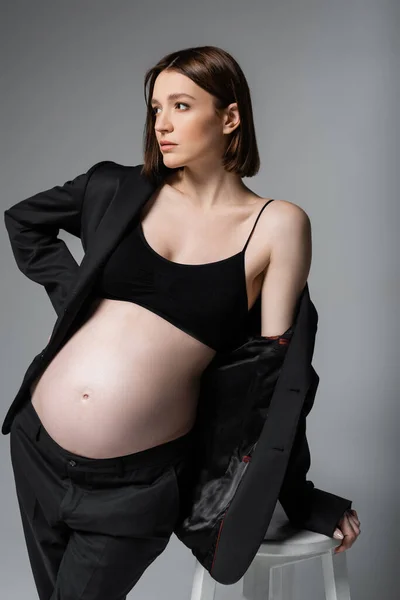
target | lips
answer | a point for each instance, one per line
(167, 144)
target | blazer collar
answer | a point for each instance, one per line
(132, 193)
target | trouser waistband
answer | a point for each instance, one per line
(165, 453)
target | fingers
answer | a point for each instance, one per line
(354, 520)
(350, 531)
(355, 516)
(354, 523)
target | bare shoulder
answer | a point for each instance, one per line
(284, 219)
(285, 212)
(288, 236)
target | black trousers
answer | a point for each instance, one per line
(93, 526)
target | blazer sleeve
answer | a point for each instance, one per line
(306, 506)
(33, 225)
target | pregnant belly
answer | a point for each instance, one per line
(116, 387)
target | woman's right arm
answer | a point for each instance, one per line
(33, 225)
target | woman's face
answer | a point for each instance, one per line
(190, 121)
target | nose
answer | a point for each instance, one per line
(163, 123)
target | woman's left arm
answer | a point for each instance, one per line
(288, 231)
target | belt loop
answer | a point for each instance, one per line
(38, 432)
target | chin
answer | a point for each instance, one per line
(172, 163)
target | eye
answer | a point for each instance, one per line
(176, 104)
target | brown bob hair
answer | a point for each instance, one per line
(217, 72)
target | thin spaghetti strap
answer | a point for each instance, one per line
(251, 232)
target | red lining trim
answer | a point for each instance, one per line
(219, 535)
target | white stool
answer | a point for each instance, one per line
(270, 575)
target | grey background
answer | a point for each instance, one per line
(324, 83)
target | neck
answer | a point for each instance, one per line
(208, 190)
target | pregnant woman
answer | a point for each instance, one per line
(102, 451)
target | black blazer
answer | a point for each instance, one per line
(251, 445)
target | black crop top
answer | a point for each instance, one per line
(208, 301)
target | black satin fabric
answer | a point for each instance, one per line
(235, 395)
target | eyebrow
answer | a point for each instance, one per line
(174, 97)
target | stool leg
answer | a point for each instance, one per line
(282, 582)
(335, 576)
(257, 581)
(203, 584)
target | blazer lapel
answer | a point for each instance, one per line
(132, 194)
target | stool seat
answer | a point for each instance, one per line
(282, 539)
(271, 573)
